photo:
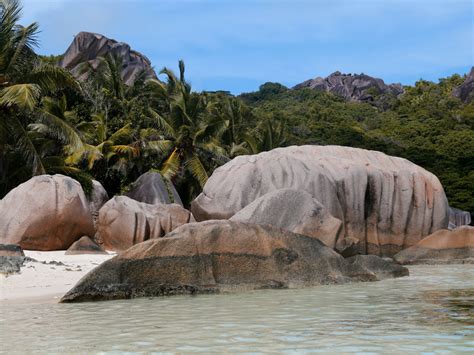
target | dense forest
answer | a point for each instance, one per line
(100, 128)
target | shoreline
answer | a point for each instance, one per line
(48, 278)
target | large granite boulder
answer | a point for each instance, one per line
(151, 188)
(296, 211)
(87, 47)
(124, 222)
(441, 247)
(387, 203)
(465, 91)
(85, 245)
(45, 213)
(352, 87)
(221, 256)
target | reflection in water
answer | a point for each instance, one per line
(428, 311)
(455, 305)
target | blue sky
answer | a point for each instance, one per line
(238, 45)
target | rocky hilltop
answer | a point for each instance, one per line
(88, 47)
(465, 91)
(352, 87)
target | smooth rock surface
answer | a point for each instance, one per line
(443, 246)
(45, 213)
(387, 203)
(295, 211)
(151, 188)
(219, 256)
(357, 87)
(85, 245)
(124, 222)
(87, 47)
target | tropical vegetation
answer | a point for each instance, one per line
(100, 128)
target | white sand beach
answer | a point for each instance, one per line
(49, 278)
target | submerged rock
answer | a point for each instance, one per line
(151, 188)
(124, 222)
(45, 213)
(387, 203)
(441, 247)
(85, 245)
(222, 256)
(296, 211)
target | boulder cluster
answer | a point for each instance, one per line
(291, 217)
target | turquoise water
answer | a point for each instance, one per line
(430, 311)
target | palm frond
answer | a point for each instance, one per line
(161, 146)
(196, 168)
(61, 130)
(162, 124)
(171, 166)
(24, 96)
(50, 77)
(26, 146)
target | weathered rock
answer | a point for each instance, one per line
(219, 256)
(124, 222)
(441, 247)
(372, 268)
(387, 203)
(458, 218)
(357, 87)
(296, 211)
(97, 198)
(85, 245)
(11, 250)
(351, 247)
(466, 90)
(45, 213)
(11, 264)
(151, 188)
(87, 47)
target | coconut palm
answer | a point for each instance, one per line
(22, 82)
(190, 132)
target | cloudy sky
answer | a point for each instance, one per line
(238, 45)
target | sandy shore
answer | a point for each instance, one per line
(48, 279)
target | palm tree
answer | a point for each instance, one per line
(23, 79)
(190, 132)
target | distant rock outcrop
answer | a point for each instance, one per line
(465, 91)
(352, 87)
(87, 47)
(387, 203)
(225, 256)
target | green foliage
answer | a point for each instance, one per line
(426, 125)
(102, 128)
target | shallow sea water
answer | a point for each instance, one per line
(432, 311)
